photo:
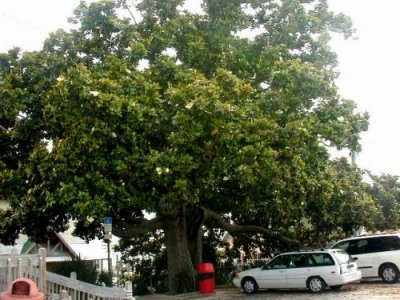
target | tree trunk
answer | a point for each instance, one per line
(181, 277)
(195, 235)
(195, 242)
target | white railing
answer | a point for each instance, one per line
(55, 286)
(32, 266)
(69, 288)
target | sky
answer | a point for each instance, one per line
(369, 69)
(368, 65)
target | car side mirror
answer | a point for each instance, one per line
(353, 258)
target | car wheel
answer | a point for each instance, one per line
(316, 284)
(249, 285)
(389, 273)
(336, 287)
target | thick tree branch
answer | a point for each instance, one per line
(212, 218)
(143, 225)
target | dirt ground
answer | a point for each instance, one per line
(366, 290)
(361, 291)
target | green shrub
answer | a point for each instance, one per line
(86, 271)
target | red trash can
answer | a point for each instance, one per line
(205, 275)
(22, 289)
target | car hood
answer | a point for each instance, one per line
(250, 271)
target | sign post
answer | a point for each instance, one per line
(107, 228)
(107, 238)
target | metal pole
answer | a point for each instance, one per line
(109, 261)
(107, 237)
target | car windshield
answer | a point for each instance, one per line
(342, 256)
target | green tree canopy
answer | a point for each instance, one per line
(385, 190)
(185, 116)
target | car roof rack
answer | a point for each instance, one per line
(378, 233)
(313, 250)
(387, 233)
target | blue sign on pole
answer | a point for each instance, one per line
(107, 228)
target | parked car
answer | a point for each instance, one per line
(314, 270)
(377, 255)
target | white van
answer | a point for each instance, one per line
(377, 255)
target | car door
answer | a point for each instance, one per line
(323, 265)
(358, 249)
(273, 275)
(298, 271)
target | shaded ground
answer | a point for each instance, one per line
(370, 290)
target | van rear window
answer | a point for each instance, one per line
(342, 256)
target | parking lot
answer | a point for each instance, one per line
(366, 290)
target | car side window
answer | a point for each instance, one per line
(281, 262)
(322, 259)
(299, 261)
(376, 245)
(342, 245)
(390, 243)
(358, 247)
(370, 245)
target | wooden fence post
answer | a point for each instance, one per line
(42, 270)
(9, 271)
(20, 268)
(129, 291)
(64, 295)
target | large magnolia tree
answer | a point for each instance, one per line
(385, 190)
(220, 119)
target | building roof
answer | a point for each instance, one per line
(69, 246)
(92, 250)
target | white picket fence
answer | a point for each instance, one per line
(53, 285)
(31, 266)
(69, 288)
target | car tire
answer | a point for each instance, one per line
(249, 285)
(389, 273)
(316, 284)
(336, 287)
